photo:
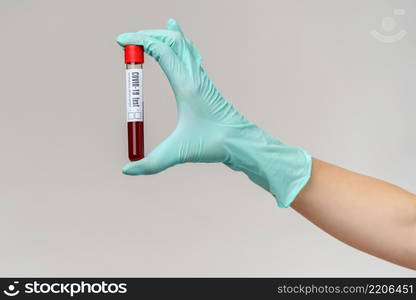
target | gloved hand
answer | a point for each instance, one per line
(209, 128)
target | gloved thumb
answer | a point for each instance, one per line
(159, 159)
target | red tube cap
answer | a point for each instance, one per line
(133, 54)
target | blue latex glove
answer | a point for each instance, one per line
(209, 128)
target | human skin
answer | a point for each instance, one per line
(368, 214)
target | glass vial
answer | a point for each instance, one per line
(134, 58)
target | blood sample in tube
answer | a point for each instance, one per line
(134, 58)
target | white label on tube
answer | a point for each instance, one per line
(134, 88)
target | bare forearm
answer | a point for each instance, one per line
(368, 214)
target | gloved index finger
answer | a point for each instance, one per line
(151, 46)
(170, 63)
(173, 39)
(171, 24)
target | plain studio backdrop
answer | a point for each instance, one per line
(308, 72)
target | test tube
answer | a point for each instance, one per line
(134, 58)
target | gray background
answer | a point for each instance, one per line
(308, 72)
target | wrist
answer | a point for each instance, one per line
(280, 169)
